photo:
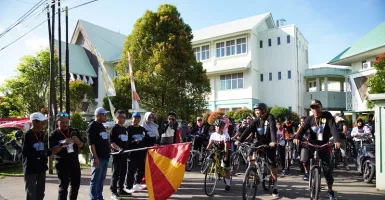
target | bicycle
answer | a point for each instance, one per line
(239, 156)
(195, 155)
(315, 170)
(255, 174)
(215, 171)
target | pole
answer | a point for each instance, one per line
(67, 68)
(50, 97)
(60, 65)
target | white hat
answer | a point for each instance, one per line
(100, 110)
(37, 116)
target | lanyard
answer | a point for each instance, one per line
(64, 134)
(319, 124)
(37, 138)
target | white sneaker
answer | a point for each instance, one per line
(137, 187)
(130, 191)
(143, 186)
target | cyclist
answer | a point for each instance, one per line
(304, 159)
(342, 129)
(221, 140)
(265, 132)
(289, 127)
(282, 143)
(322, 127)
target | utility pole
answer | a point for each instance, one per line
(50, 99)
(67, 68)
(60, 65)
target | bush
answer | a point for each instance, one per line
(295, 117)
(241, 114)
(77, 122)
(230, 114)
(215, 115)
(206, 116)
(280, 113)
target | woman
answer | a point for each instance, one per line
(151, 128)
(281, 147)
(360, 132)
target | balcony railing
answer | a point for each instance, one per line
(322, 72)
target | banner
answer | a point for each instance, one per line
(134, 94)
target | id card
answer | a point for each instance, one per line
(320, 135)
(70, 147)
(39, 146)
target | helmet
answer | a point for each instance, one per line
(260, 106)
(19, 134)
(219, 122)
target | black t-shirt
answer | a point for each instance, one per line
(265, 131)
(34, 149)
(119, 136)
(340, 128)
(98, 136)
(64, 158)
(326, 124)
(137, 133)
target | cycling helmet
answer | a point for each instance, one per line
(219, 122)
(260, 106)
(19, 134)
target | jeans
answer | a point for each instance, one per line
(34, 186)
(119, 170)
(97, 179)
(69, 176)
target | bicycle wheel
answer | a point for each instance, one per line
(250, 184)
(190, 162)
(204, 165)
(235, 163)
(211, 177)
(315, 184)
(267, 178)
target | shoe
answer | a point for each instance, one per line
(115, 195)
(227, 188)
(143, 186)
(137, 187)
(275, 193)
(331, 195)
(130, 191)
(283, 173)
(305, 177)
(123, 193)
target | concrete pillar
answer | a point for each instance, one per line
(342, 86)
(317, 83)
(326, 83)
(354, 118)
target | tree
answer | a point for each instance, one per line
(29, 90)
(122, 100)
(243, 113)
(77, 122)
(280, 113)
(80, 92)
(167, 75)
(376, 82)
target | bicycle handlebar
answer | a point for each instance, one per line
(263, 146)
(316, 146)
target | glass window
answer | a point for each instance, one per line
(241, 45)
(288, 39)
(205, 52)
(260, 43)
(270, 76)
(197, 53)
(290, 108)
(231, 81)
(269, 42)
(307, 56)
(220, 47)
(289, 74)
(261, 77)
(279, 75)
(230, 47)
(279, 40)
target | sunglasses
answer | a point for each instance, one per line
(63, 114)
(199, 120)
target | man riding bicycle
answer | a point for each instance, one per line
(322, 126)
(265, 132)
(221, 140)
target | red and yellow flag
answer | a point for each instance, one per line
(165, 167)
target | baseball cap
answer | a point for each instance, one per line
(101, 110)
(37, 116)
(136, 114)
(199, 118)
(315, 102)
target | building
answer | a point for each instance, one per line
(360, 57)
(253, 60)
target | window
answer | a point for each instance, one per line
(279, 40)
(290, 108)
(235, 109)
(220, 49)
(288, 39)
(279, 75)
(231, 81)
(225, 110)
(269, 42)
(261, 77)
(261, 44)
(289, 74)
(307, 56)
(270, 76)
(197, 53)
(299, 44)
(241, 45)
(205, 52)
(230, 47)
(362, 64)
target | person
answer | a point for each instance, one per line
(65, 143)
(119, 143)
(185, 130)
(137, 138)
(169, 133)
(202, 130)
(322, 126)
(34, 158)
(371, 124)
(359, 133)
(151, 127)
(229, 129)
(265, 129)
(289, 127)
(221, 140)
(342, 129)
(281, 148)
(100, 153)
(304, 152)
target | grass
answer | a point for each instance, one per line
(11, 171)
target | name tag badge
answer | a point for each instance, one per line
(123, 137)
(39, 146)
(260, 131)
(104, 135)
(70, 148)
(320, 135)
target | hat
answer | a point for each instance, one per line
(37, 116)
(248, 117)
(315, 102)
(101, 110)
(199, 118)
(136, 114)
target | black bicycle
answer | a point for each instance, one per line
(239, 157)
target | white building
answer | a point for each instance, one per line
(252, 60)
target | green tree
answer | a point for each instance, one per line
(77, 122)
(280, 113)
(167, 75)
(215, 115)
(295, 117)
(241, 114)
(230, 114)
(80, 93)
(122, 100)
(376, 82)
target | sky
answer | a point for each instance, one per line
(329, 26)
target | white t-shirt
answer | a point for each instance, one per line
(219, 139)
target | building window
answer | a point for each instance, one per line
(279, 75)
(279, 40)
(269, 42)
(220, 49)
(261, 44)
(241, 45)
(299, 44)
(197, 53)
(307, 56)
(235, 109)
(290, 108)
(362, 64)
(289, 74)
(288, 39)
(224, 110)
(261, 77)
(270, 76)
(231, 81)
(205, 52)
(230, 47)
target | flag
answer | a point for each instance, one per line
(165, 167)
(108, 84)
(112, 108)
(134, 94)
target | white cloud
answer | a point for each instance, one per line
(2, 79)
(36, 44)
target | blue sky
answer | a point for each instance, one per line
(329, 26)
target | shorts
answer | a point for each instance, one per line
(270, 154)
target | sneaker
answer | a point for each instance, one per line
(331, 195)
(143, 186)
(115, 195)
(123, 193)
(283, 173)
(305, 177)
(275, 193)
(137, 187)
(130, 191)
(227, 188)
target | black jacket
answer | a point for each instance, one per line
(264, 131)
(202, 131)
(162, 131)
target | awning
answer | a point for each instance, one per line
(227, 65)
(20, 124)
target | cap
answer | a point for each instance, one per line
(199, 118)
(37, 116)
(136, 114)
(315, 102)
(248, 117)
(101, 110)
